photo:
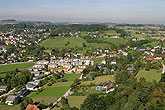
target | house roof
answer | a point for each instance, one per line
(11, 98)
(3, 87)
(159, 55)
(32, 107)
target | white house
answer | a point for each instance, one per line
(10, 99)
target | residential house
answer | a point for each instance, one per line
(32, 107)
(3, 88)
(113, 62)
(10, 99)
(131, 69)
(23, 92)
(109, 86)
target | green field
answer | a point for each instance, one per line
(12, 67)
(149, 75)
(99, 79)
(71, 77)
(92, 91)
(98, 60)
(152, 44)
(51, 94)
(60, 42)
(76, 101)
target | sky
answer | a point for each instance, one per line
(118, 11)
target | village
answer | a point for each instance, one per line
(73, 69)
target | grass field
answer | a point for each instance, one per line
(12, 67)
(149, 75)
(76, 101)
(71, 77)
(92, 91)
(98, 60)
(99, 79)
(51, 94)
(60, 42)
(152, 44)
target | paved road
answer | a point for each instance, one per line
(7, 93)
(65, 95)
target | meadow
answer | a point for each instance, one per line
(149, 75)
(60, 42)
(12, 67)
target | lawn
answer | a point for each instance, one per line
(76, 101)
(92, 91)
(12, 67)
(149, 75)
(71, 77)
(99, 79)
(98, 60)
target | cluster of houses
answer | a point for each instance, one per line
(66, 64)
(20, 42)
(11, 99)
(30, 86)
(150, 55)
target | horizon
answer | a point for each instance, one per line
(115, 11)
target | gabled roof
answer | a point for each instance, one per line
(11, 98)
(32, 107)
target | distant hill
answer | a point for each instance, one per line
(8, 21)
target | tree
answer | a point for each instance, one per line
(83, 44)
(22, 106)
(90, 103)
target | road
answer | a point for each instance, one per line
(7, 93)
(65, 95)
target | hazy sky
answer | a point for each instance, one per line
(121, 11)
